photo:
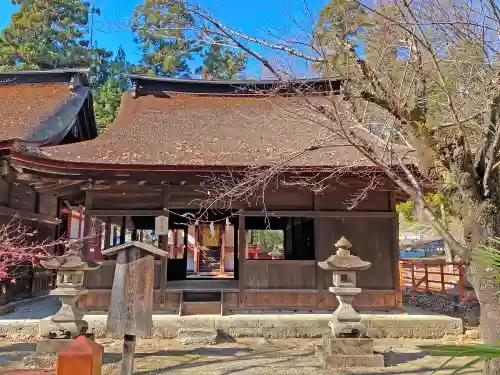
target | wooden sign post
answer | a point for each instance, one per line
(131, 310)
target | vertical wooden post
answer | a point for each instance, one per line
(196, 255)
(128, 355)
(461, 280)
(426, 270)
(107, 233)
(242, 239)
(222, 247)
(164, 244)
(123, 230)
(318, 244)
(441, 272)
(87, 225)
(412, 275)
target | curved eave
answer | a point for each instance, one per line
(67, 116)
(59, 167)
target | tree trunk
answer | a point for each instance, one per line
(485, 287)
(490, 312)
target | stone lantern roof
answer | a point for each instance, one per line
(343, 260)
(71, 260)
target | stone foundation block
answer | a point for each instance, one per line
(348, 360)
(359, 346)
(197, 336)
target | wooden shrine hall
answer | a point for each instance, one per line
(259, 252)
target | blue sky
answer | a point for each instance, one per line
(283, 17)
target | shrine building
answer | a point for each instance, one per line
(172, 142)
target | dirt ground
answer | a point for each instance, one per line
(246, 357)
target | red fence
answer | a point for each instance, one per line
(432, 276)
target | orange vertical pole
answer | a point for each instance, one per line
(412, 275)
(461, 280)
(441, 271)
(83, 357)
(426, 270)
(401, 275)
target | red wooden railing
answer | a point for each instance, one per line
(432, 276)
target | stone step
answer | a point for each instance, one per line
(197, 336)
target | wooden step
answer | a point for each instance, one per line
(201, 308)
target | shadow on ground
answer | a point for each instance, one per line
(37, 309)
(15, 352)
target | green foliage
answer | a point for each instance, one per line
(159, 29)
(268, 240)
(488, 255)
(220, 62)
(437, 202)
(46, 36)
(106, 102)
(165, 33)
(107, 95)
(479, 352)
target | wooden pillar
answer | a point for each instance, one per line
(87, 225)
(222, 247)
(123, 229)
(134, 234)
(318, 242)
(395, 251)
(115, 234)
(196, 255)
(164, 246)
(241, 257)
(107, 233)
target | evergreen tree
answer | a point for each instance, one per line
(46, 35)
(160, 32)
(220, 62)
(107, 97)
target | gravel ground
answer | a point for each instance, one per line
(246, 357)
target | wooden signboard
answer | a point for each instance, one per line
(131, 311)
(161, 225)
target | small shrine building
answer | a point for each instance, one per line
(171, 136)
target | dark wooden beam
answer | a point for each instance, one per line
(7, 211)
(127, 212)
(333, 214)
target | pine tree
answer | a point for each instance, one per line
(160, 32)
(46, 35)
(220, 62)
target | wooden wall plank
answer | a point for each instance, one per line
(22, 198)
(275, 299)
(280, 274)
(373, 241)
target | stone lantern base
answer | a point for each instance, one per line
(338, 352)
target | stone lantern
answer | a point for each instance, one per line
(68, 322)
(346, 344)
